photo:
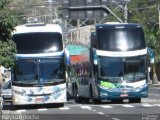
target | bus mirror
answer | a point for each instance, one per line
(95, 62)
(95, 57)
(151, 54)
(149, 69)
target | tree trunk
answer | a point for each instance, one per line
(149, 78)
(155, 79)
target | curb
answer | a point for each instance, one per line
(156, 85)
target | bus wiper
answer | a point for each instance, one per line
(39, 85)
(25, 82)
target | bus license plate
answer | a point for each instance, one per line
(124, 95)
(39, 100)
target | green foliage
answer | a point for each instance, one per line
(7, 53)
(7, 24)
(7, 46)
(3, 3)
(146, 13)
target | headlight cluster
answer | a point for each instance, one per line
(141, 87)
(102, 94)
(19, 93)
(144, 93)
(103, 87)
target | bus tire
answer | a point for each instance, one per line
(135, 100)
(15, 107)
(86, 100)
(74, 91)
(61, 105)
(75, 94)
(96, 101)
(117, 101)
(77, 98)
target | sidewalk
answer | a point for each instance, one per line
(156, 86)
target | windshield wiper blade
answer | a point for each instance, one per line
(39, 85)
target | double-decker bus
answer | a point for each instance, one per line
(38, 76)
(108, 62)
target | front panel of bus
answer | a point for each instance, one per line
(121, 57)
(122, 77)
(39, 72)
(39, 80)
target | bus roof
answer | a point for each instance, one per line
(37, 27)
(124, 25)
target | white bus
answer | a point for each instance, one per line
(38, 76)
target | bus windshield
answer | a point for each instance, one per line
(40, 42)
(116, 69)
(39, 70)
(116, 39)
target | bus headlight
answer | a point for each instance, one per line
(141, 87)
(103, 87)
(144, 93)
(19, 93)
(102, 94)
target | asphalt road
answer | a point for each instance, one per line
(148, 109)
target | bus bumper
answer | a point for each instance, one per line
(122, 93)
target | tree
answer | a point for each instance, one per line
(7, 46)
(146, 13)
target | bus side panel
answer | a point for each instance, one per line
(80, 67)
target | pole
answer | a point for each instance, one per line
(50, 11)
(55, 12)
(159, 13)
(78, 22)
(125, 13)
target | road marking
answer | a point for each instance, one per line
(100, 113)
(19, 111)
(64, 108)
(107, 115)
(74, 105)
(43, 109)
(115, 119)
(147, 100)
(147, 105)
(128, 105)
(86, 107)
(157, 105)
(107, 106)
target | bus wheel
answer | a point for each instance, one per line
(15, 107)
(86, 100)
(96, 101)
(135, 100)
(76, 97)
(117, 101)
(61, 105)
